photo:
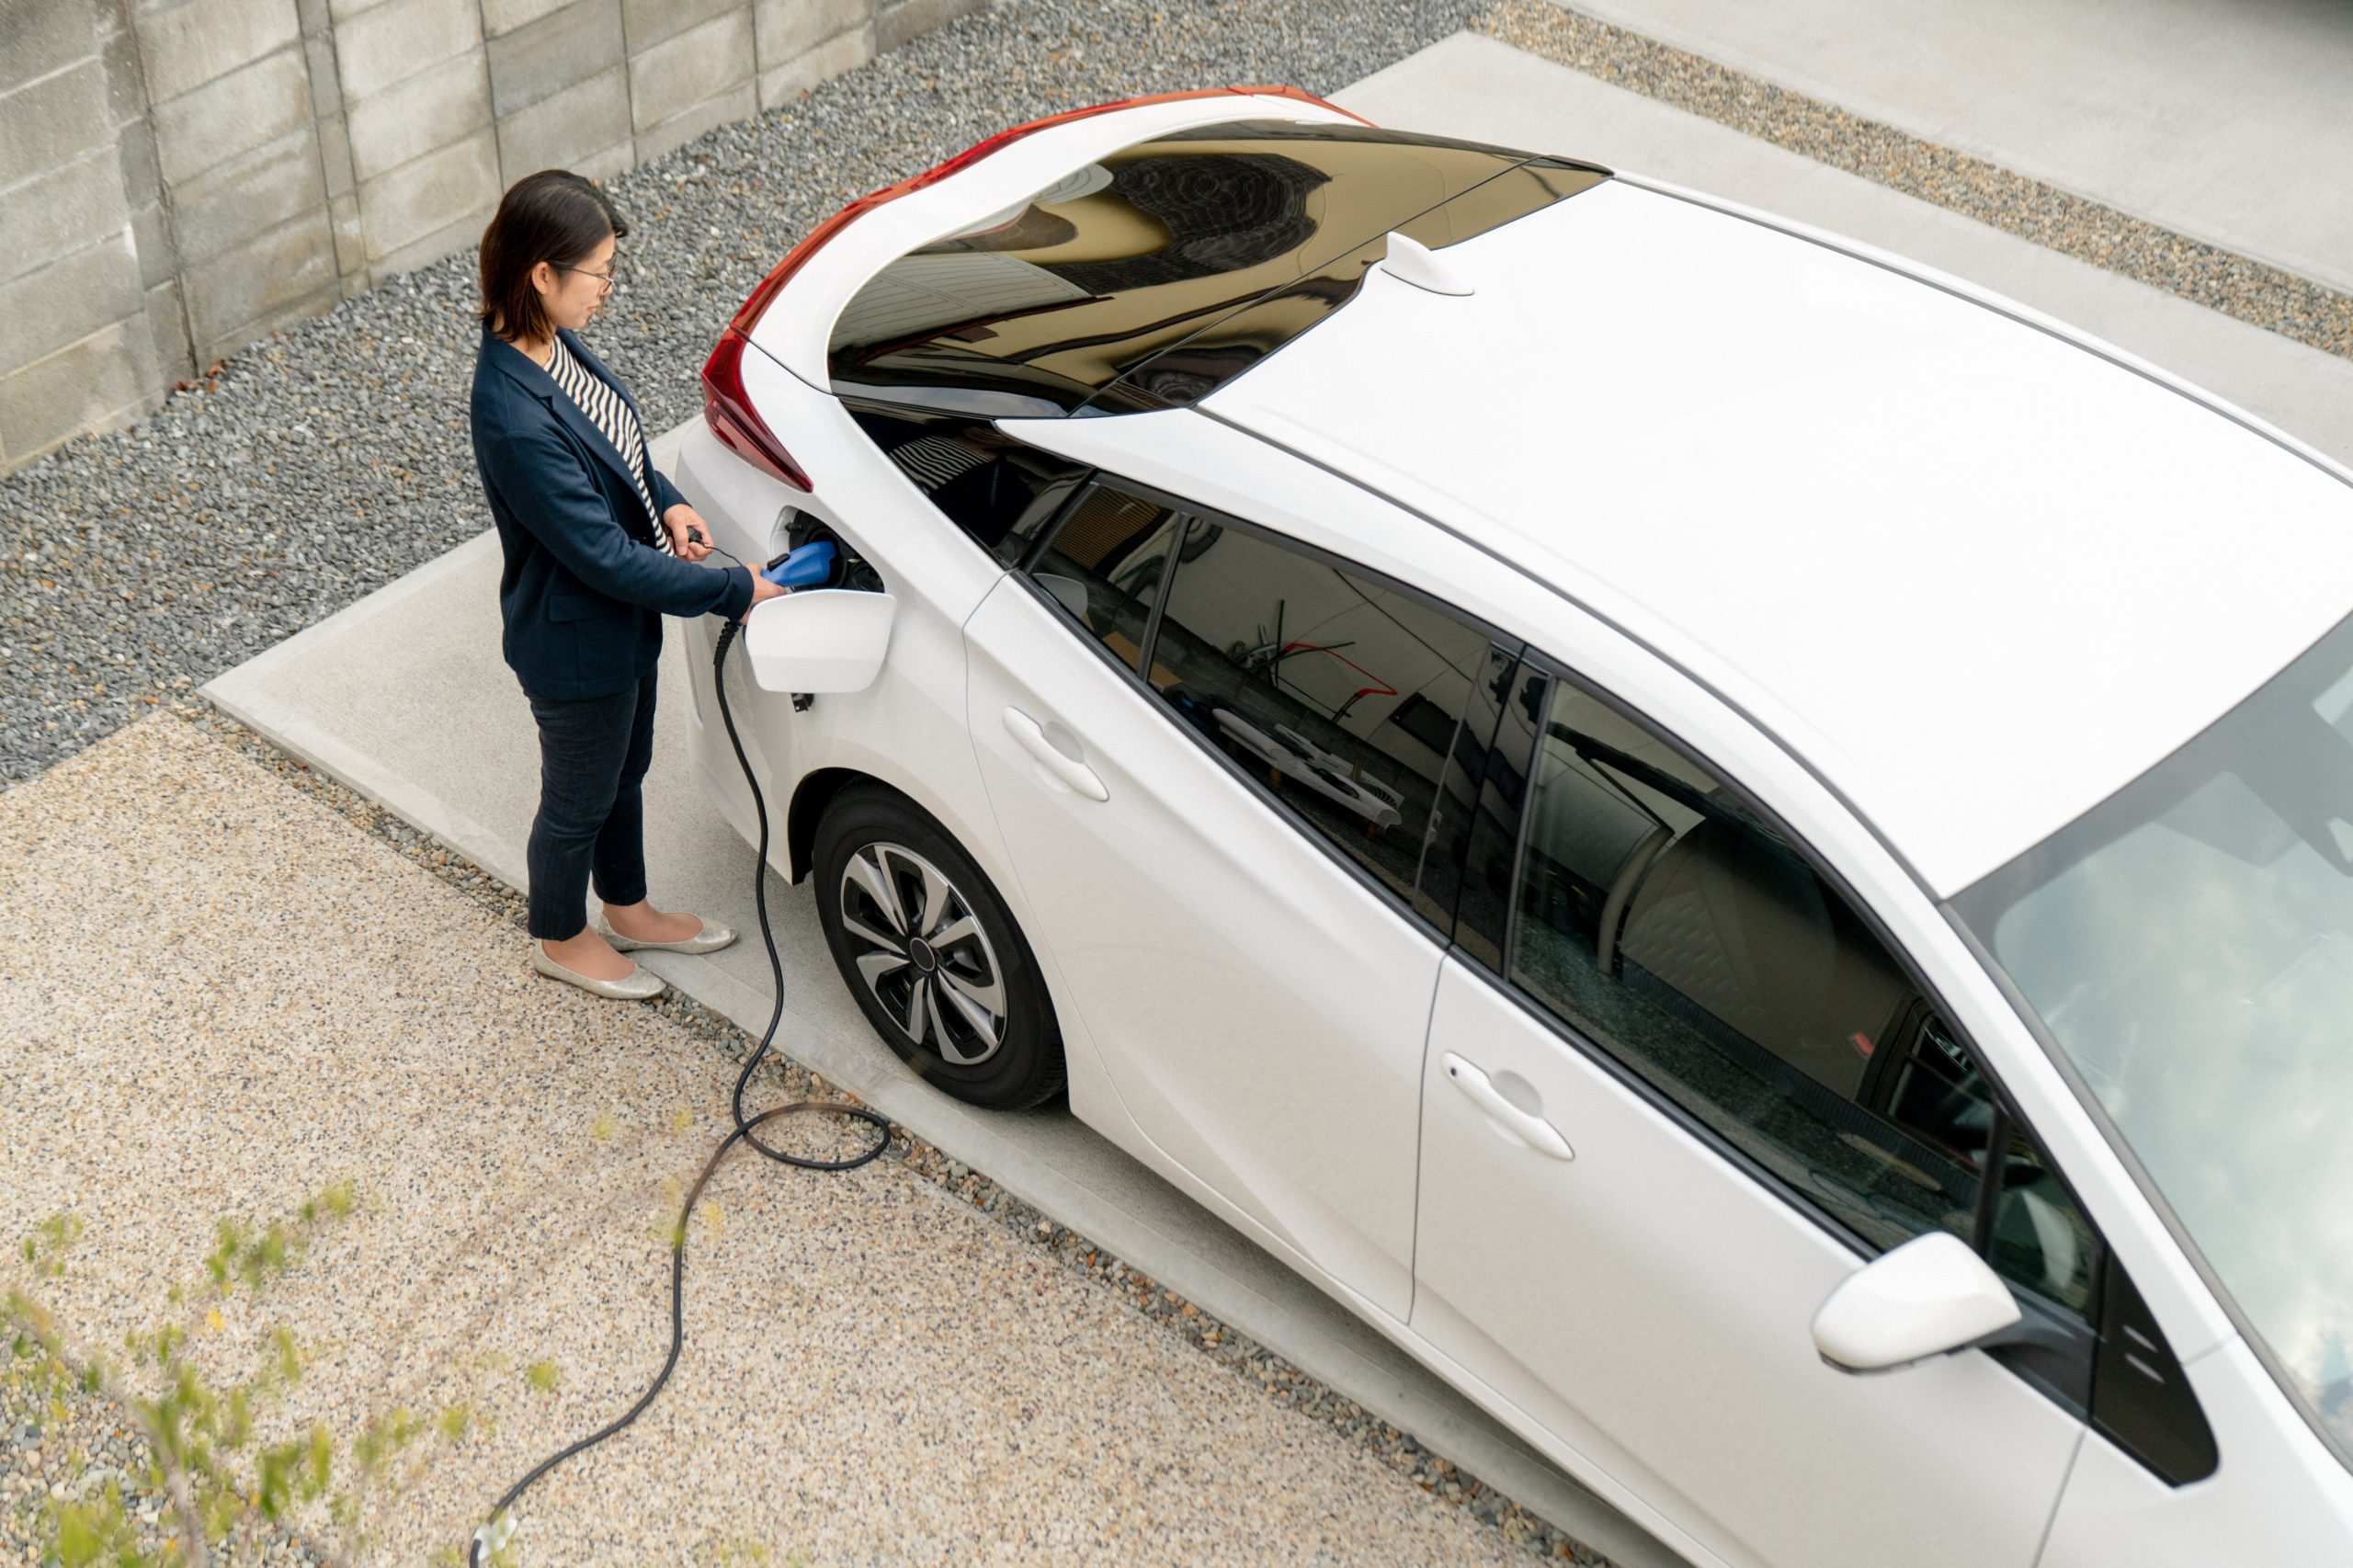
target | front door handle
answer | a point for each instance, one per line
(1533, 1130)
(1069, 769)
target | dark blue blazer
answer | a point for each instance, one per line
(584, 589)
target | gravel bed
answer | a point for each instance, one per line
(324, 461)
(788, 1080)
(2208, 275)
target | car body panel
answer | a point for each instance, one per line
(1930, 529)
(1260, 1014)
(1651, 1303)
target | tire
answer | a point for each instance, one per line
(983, 1028)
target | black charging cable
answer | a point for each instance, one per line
(492, 1535)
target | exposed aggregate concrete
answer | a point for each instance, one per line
(869, 1376)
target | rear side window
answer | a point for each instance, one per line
(1000, 491)
(1342, 696)
(1659, 916)
(1106, 564)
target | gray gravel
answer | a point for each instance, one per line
(327, 461)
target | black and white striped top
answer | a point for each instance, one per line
(606, 411)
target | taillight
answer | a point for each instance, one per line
(794, 259)
(727, 409)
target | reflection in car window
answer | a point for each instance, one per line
(1104, 567)
(1665, 922)
(1340, 695)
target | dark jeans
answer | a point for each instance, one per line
(593, 755)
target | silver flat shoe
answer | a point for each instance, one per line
(709, 939)
(641, 985)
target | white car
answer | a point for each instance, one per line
(1846, 1045)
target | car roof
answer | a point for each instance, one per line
(1974, 571)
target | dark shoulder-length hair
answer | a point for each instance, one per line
(553, 216)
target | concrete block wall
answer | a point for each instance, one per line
(181, 177)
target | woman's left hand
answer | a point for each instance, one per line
(689, 534)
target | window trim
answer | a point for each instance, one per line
(2031, 1302)
(1307, 831)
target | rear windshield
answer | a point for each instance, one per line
(1148, 279)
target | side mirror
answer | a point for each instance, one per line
(1930, 1296)
(819, 640)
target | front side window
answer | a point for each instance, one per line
(1666, 921)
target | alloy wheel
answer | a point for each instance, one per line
(920, 949)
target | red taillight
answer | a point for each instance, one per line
(794, 259)
(727, 411)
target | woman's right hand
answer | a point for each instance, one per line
(761, 589)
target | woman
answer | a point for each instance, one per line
(598, 547)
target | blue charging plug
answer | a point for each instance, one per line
(806, 567)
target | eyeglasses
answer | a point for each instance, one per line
(611, 280)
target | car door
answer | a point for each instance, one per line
(1214, 758)
(1676, 1091)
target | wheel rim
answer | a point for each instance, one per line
(919, 946)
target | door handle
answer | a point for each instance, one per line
(1533, 1130)
(1070, 770)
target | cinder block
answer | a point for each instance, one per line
(895, 23)
(134, 147)
(673, 77)
(184, 46)
(54, 122)
(262, 283)
(568, 46)
(228, 205)
(250, 106)
(557, 132)
(334, 156)
(609, 164)
(350, 253)
(167, 326)
(844, 51)
(464, 234)
(648, 22)
(500, 17)
(737, 103)
(389, 43)
(103, 380)
(69, 207)
(410, 118)
(788, 29)
(126, 76)
(150, 237)
(421, 196)
(71, 297)
(44, 36)
(326, 83)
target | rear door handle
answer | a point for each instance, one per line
(1533, 1130)
(1069, 769)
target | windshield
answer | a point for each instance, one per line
(2189, 943)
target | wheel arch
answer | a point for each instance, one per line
(810, 798)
